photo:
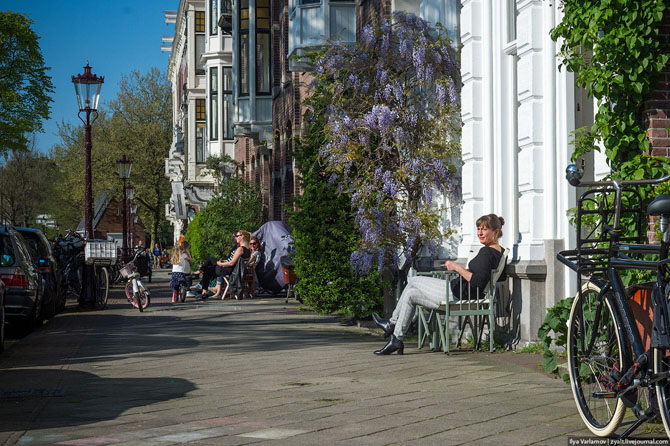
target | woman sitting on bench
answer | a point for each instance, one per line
(430, 292)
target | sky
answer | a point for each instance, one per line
(115, 37)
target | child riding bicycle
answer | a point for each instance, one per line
(181, 265)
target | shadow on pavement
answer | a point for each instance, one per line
(74, 398)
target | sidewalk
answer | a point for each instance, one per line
(261, 372)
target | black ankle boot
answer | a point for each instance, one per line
(394, 344)
(384, 324)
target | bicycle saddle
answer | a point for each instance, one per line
(659, 205)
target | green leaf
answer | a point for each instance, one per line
(549, 361)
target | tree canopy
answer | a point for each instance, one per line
(136, 123)
(26, 177)
(25, 86)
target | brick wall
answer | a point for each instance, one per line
(657, 111)
(112, 221)
(657, 108)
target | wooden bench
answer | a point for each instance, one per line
(435, 326)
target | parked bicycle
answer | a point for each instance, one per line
(69, 253)
(609, 365)
(138, 295)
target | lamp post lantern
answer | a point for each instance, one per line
(124, 166)
(87, 87)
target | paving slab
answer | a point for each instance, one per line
(261, 371)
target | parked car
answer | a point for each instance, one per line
(42, 256)
(24, 286)
(2, 316)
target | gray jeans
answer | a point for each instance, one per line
(428, 292)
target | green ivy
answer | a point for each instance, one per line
(555, 321)
(614, 49)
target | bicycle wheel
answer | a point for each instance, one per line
(142, 298)
(129, 294)
(182, 292)
(662, 365)
(101, 287)
(588, 368)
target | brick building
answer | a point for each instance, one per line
(108, 221)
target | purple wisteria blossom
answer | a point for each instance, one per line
(389, 139)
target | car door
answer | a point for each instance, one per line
(30, 269)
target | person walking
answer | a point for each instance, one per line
(157, 256)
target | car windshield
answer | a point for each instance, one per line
(6, 251)
(34, 245)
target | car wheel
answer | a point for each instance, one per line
(60, 304)
(49, 308)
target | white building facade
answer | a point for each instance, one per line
(200, 71)
(518, 112)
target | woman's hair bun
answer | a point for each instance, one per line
(502, 221)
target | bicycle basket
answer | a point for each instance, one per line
(127, 270)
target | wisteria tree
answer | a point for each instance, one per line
(392, 136)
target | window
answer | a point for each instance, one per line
(227, 103)
(214, 17)
(244, 47)
(200, 142)
(199, 109)
(200, 130)
(309, 2)
(263, 54)
(200, 21)
(511, 20)
(214, 103)
(199, 41)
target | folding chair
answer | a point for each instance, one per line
(436, 326)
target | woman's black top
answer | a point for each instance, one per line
(486, 260)
(225, 270)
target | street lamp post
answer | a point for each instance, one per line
(130, 194)
(87, 87)
(124, 165)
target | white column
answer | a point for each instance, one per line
(531, 94)
(475, 67)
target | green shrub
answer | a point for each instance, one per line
(555, 321)
(324, 236)
(237, 206)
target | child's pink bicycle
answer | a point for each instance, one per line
(138, 295)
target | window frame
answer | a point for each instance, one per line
(213, 17)
(243, 75)
(227, 103)
(263, 31)
(214, 103)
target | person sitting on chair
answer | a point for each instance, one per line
(255, 246)
(208, 270)
(430, 292)
(225, 267)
